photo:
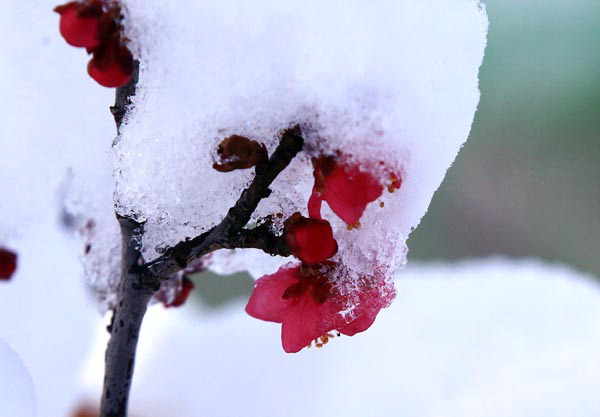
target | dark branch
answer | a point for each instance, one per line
(127, 320)
(229, 234)
(123, 96)
(139, 282)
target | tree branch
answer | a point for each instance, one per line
(132, 300)
(139, 282)
(229, 234)
(123, 96)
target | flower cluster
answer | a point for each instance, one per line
(96, 26)
(303, 297)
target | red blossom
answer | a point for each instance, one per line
(303, 300)
(186, 288)
(310, 240)
(111, 65)
(346, 188)
(8, 263)
(80, 23)
(96, 26)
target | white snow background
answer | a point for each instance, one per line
(18, 396)
(493, 337)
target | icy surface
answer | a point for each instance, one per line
(389, 81)
(16, 388)
(490, 338)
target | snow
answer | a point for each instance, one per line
(480, 338)
(391, 81)
(47, 317)
(56, 133)
(18, 397)
(388, 81)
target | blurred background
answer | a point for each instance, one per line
(527, 183)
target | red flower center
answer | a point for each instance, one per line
(316, 284)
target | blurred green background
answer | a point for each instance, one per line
(527, 183)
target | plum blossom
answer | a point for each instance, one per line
(310, 240)
(345, 187)
(96, 26)
(305, 301)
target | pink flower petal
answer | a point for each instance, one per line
(348, 191)
(307, 320)
(359, 324)
(265, 302)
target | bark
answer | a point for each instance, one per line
(132, 301)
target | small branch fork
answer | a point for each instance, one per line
(139, 281)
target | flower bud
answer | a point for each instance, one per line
(310, 240)
(111, 65)
(239, 152)
(8, 263)
(80, 23)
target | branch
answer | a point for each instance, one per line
(229, 234)
(132, 301)
(139, 282)
(123, 96)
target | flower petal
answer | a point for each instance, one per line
(305, 321)
(266, 302)
(360, 324)
(348, 191)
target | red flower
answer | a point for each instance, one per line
(80, 23)
(96, 26)
(8, 264)
(186, 288)
(303, 299)
(111, 65)
(310, 240)
(346, 188)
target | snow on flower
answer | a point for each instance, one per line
(346, 188)
(383, 108)
(305, 301)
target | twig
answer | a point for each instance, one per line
(132, 299)
(229, 234)
(123, 96)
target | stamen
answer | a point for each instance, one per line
(353, 226)
(323, 340)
